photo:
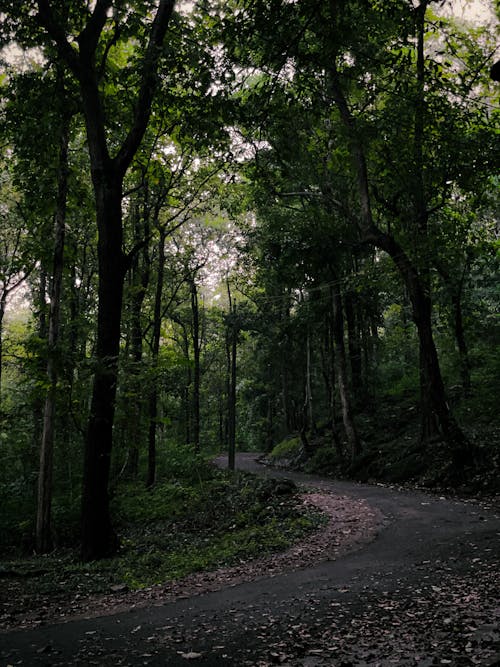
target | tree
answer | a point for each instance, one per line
(359, 79)
(109, 161)
(43, 519)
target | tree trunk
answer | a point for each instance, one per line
(328, 364)
(231, 347)
(38, 403)
(353, 441)
(461, 343)
(284, 361)
(140, 280)
(307, 412)
(155, 350)
(98, 537)
(308, 388)
(232, 400)
(354, 345)
(196, 368)
(43, 537)
(3, 303)
(434, 407)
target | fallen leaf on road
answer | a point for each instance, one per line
(191, 655)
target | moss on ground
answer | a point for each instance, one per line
(287, 450)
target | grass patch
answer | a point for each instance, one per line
(192, 522)
(286, 450)
(182, 528)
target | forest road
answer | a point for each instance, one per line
(423, 592)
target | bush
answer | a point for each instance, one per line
(286, 450)
(324, 461)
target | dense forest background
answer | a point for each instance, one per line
(265, 225)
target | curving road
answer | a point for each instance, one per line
(424, 592)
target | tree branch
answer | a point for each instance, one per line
(89, 36)
(148, 86)
(67, 53)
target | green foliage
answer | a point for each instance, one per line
(199, 519)
(287, 449)
(324, 461)
(282, 229)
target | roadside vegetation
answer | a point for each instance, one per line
(393, 453)
(199, 518)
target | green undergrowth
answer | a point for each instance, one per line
(196, 519)
(392, 452)
(286, 450)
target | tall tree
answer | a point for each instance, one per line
(354, 72)
(43, 519)
(85, 54)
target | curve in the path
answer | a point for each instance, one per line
(321, 615)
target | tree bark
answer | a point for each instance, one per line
(140, 280)
(328, 364)
(98, 537)
(284, 359)
(232, 400)
(43, 536)
(232, 347)
(354, 346)
(38, 403)
(307, 409)
(155, 351)
(3, 304)
(196, 368)
(353, 441)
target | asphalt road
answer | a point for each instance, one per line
(423, 592)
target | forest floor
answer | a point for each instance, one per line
(396, 577)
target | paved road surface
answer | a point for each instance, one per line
(431, 568)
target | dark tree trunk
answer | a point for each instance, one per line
(284, 361)
(3, 303)
(461, 343)
(306, 421)
(436, 417)
(38, 403)
(155, 350)
(98, 537)
(232, 400)
(353, 441)
(328, 369)
(196, 367)
(43, 536)
(231, 349)
(140, 280)
(354, 345)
